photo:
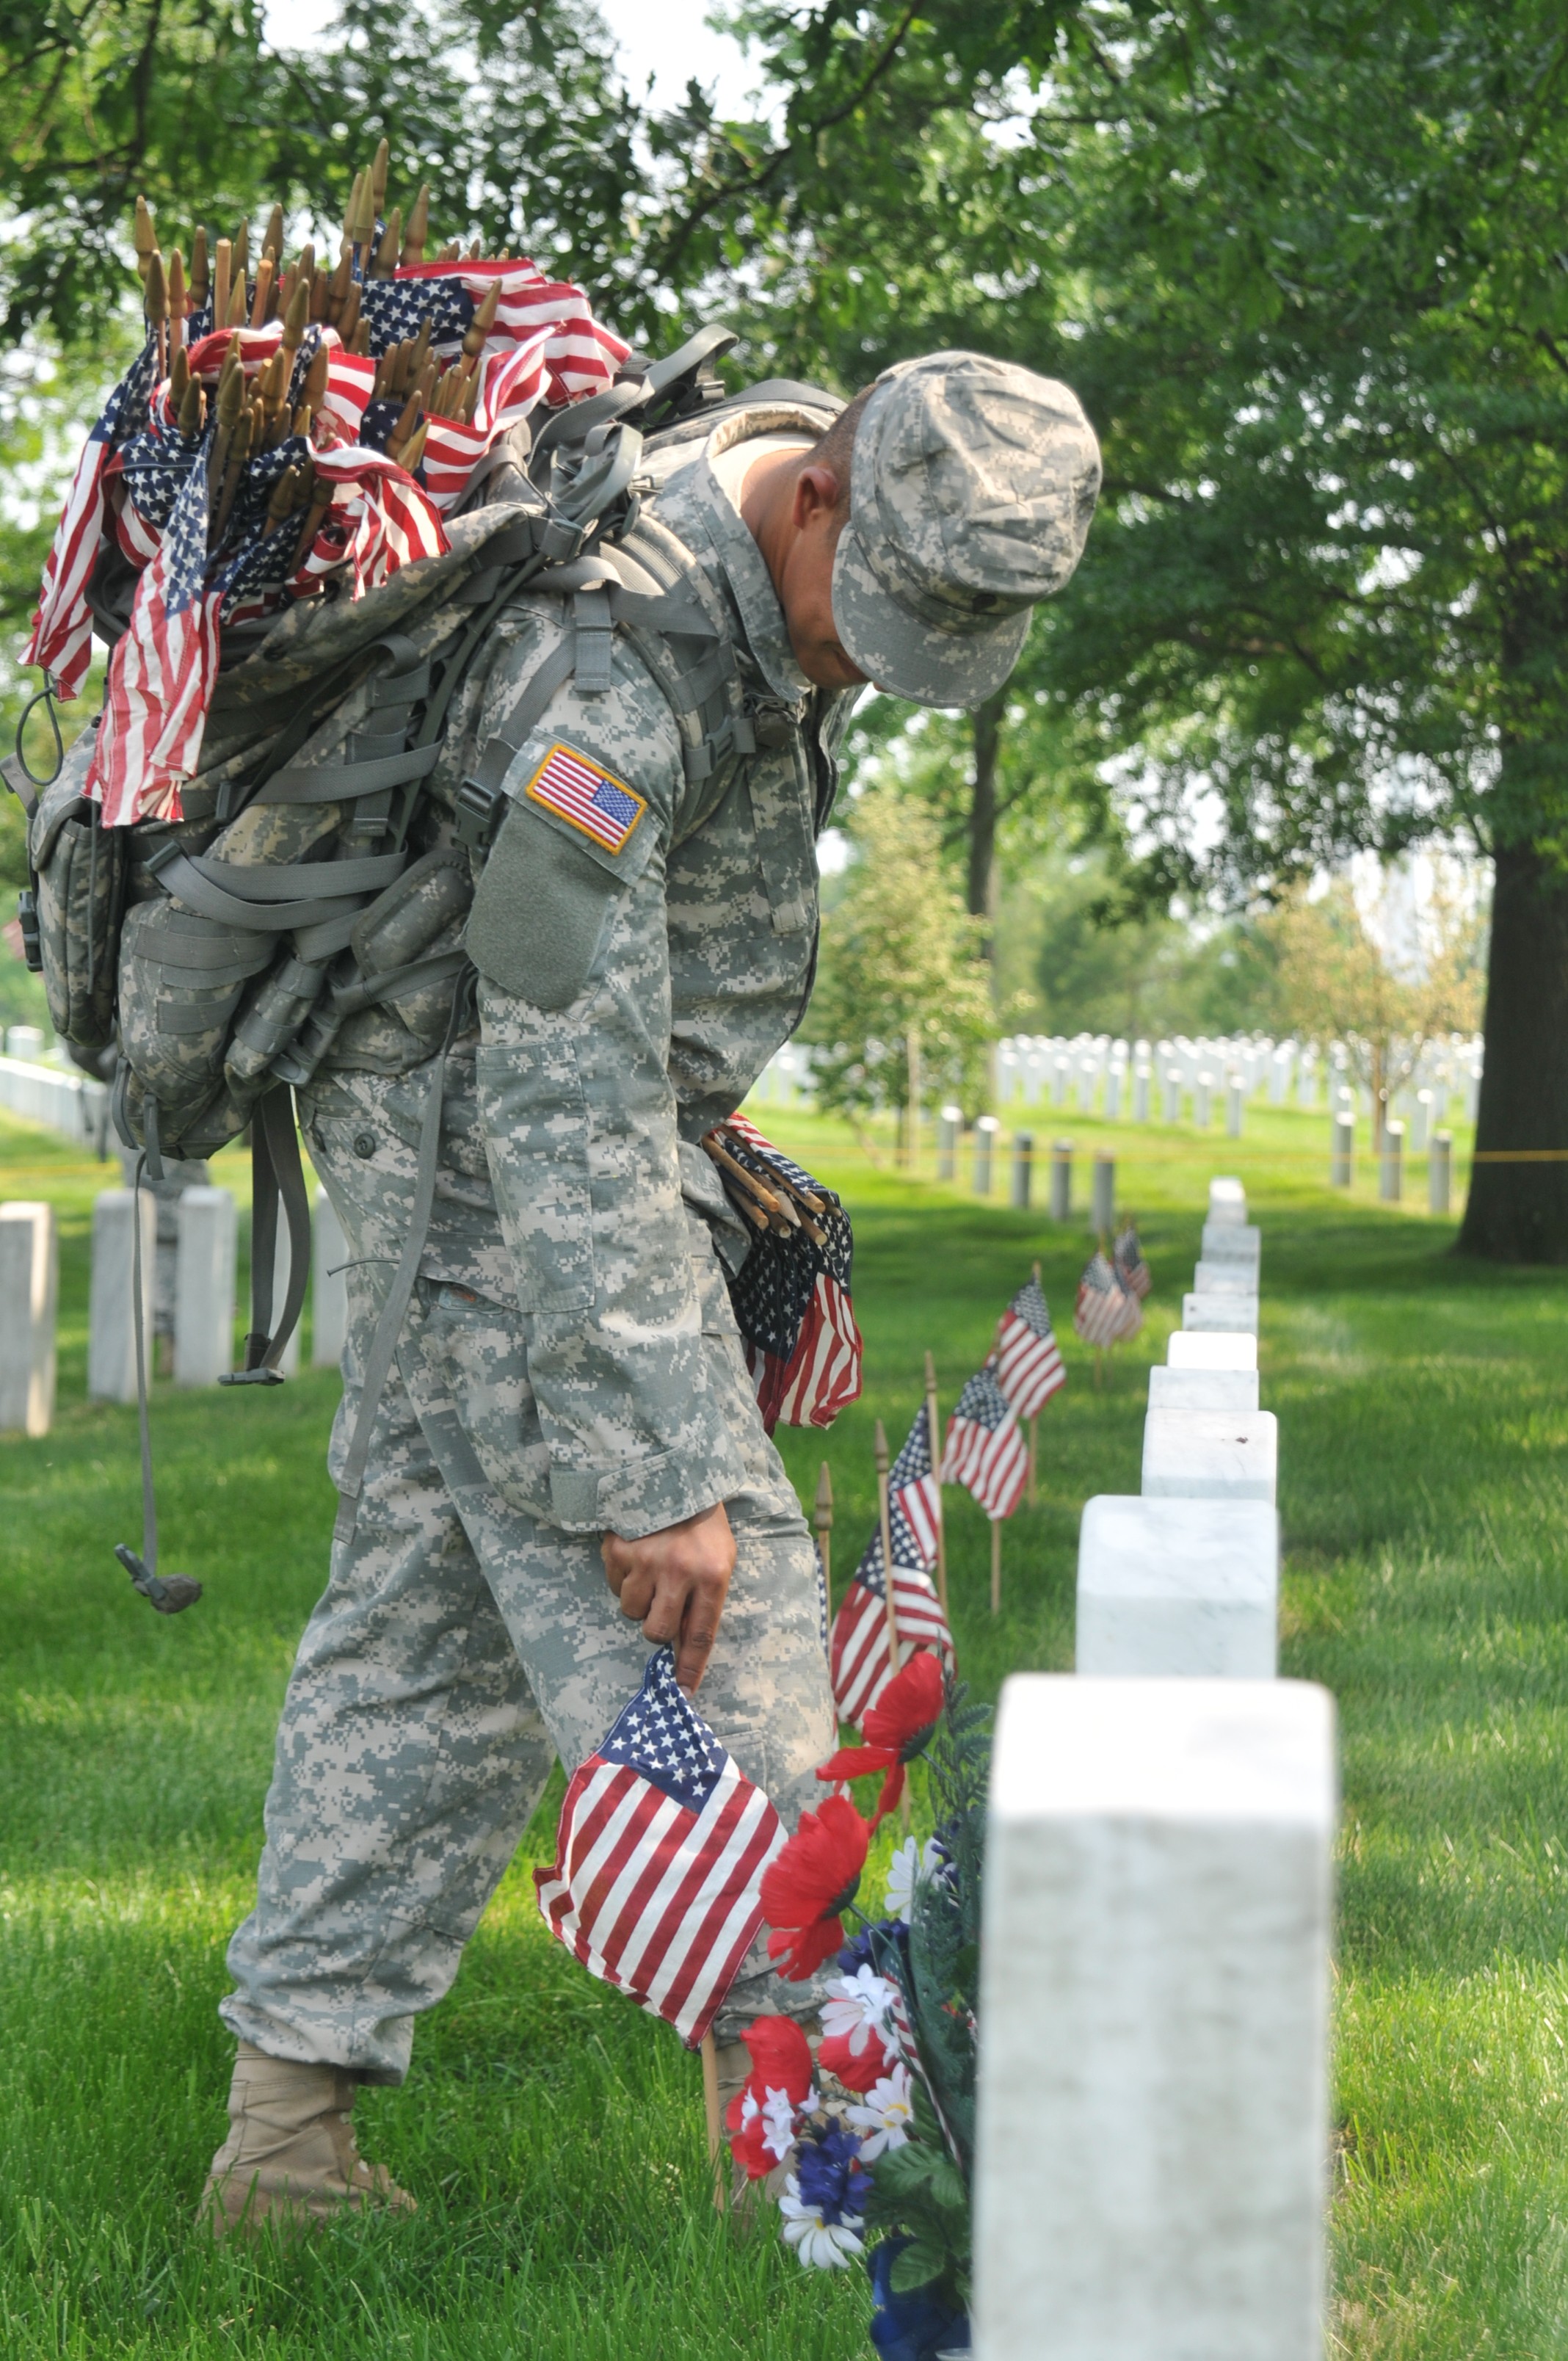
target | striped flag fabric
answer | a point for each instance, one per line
(913, 1491)
(1131, 1268)
(790, 1296)
(860, 1660)
(656, 1884)
(160, 674)
(61, 640)
(1106, 1312)
(1029, 1367)
(984, 1450)
(390, 520)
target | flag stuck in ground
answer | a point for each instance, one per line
(656, 1884)
(1029, 1367)
(860, 1658)
(985, 1452)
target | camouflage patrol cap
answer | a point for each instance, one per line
(971, 486)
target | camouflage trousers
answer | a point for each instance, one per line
(462, 1643)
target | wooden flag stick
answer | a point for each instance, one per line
(885, 1515)
(996, 1565)
(715, 2127)
(934, 1427)
(822, 1526)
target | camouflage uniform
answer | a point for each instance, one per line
(570, 1364)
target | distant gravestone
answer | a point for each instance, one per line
(111, 1315)
(203, 1285)
(1239, 1242)
(1210, 1454)
(1225, 1277)
(1178, 1587)
(26, 1042)
(1220, 1312)
(1152, 2134)
(1235, 1106)
(1227, 1199)
(1141, 1080)
(1202, 1389)
(29, 1291)
(1228, 1349)
(949, 1123)
(329, 1283)
(1173, 1095)
(1061, 1180)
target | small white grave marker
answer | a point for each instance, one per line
(1220, 1312)
(30, 1289)
(1227, 1199)
(1210, 1454)
(1232, 1242)
(1225, 1277)
(1178, 1587)
(111, 1317)
(1202, 1389)
(203, 1286)
(1152, 2128)
(1231, 1349)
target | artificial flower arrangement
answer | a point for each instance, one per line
(891, 2151)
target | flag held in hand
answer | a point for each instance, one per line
(656, 1885)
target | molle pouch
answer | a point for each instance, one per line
(82, 869)
(408, 945)
(181, 980)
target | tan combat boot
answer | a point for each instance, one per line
(290, 2159)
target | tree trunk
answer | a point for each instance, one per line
(1518, 1213)
(982, 807)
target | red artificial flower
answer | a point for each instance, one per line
(857, 2070)
(781, 2062)
(897, 1728)
(807, 1886)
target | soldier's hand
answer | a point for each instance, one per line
(674, 1584)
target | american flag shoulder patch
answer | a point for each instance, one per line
(586, 797)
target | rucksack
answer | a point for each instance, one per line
(226, 951)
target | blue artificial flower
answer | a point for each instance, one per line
(830, 2177)
(857, 1952)
(915, 2325)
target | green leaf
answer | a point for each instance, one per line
(918, 2266)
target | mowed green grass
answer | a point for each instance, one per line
(552, 2134)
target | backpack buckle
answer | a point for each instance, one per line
(477, 806)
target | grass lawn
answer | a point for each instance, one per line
(552, 2134)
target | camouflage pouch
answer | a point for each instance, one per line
(82, 871)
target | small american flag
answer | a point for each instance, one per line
(510, 384)
(160, 674)
(1028, 1362)
(1131, 1268)
(860, 1660)
(390, 520)
(790, 1296)
(62, 639)
(1106, 1313)
(349, 380)
(575, 788)
(656, 1885)
(984, 1450)
(914, 1490)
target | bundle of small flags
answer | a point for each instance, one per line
(656, 1884)
(1108, 1311)
(861, 1653)
(279, 431)
(791, 1295)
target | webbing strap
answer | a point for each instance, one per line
(278, 1180)
(338, 783)
(389, 1327)
(286, 881)
(180, 875)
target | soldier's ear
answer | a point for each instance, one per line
(818, 496)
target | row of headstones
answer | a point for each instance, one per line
(1151, 2145)
(1137, 1077)
(205, 1257)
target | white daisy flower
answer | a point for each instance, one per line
(910, 1865)
(779, 2113)
(884, 2115)
(821, 2246)
(859, 2005)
